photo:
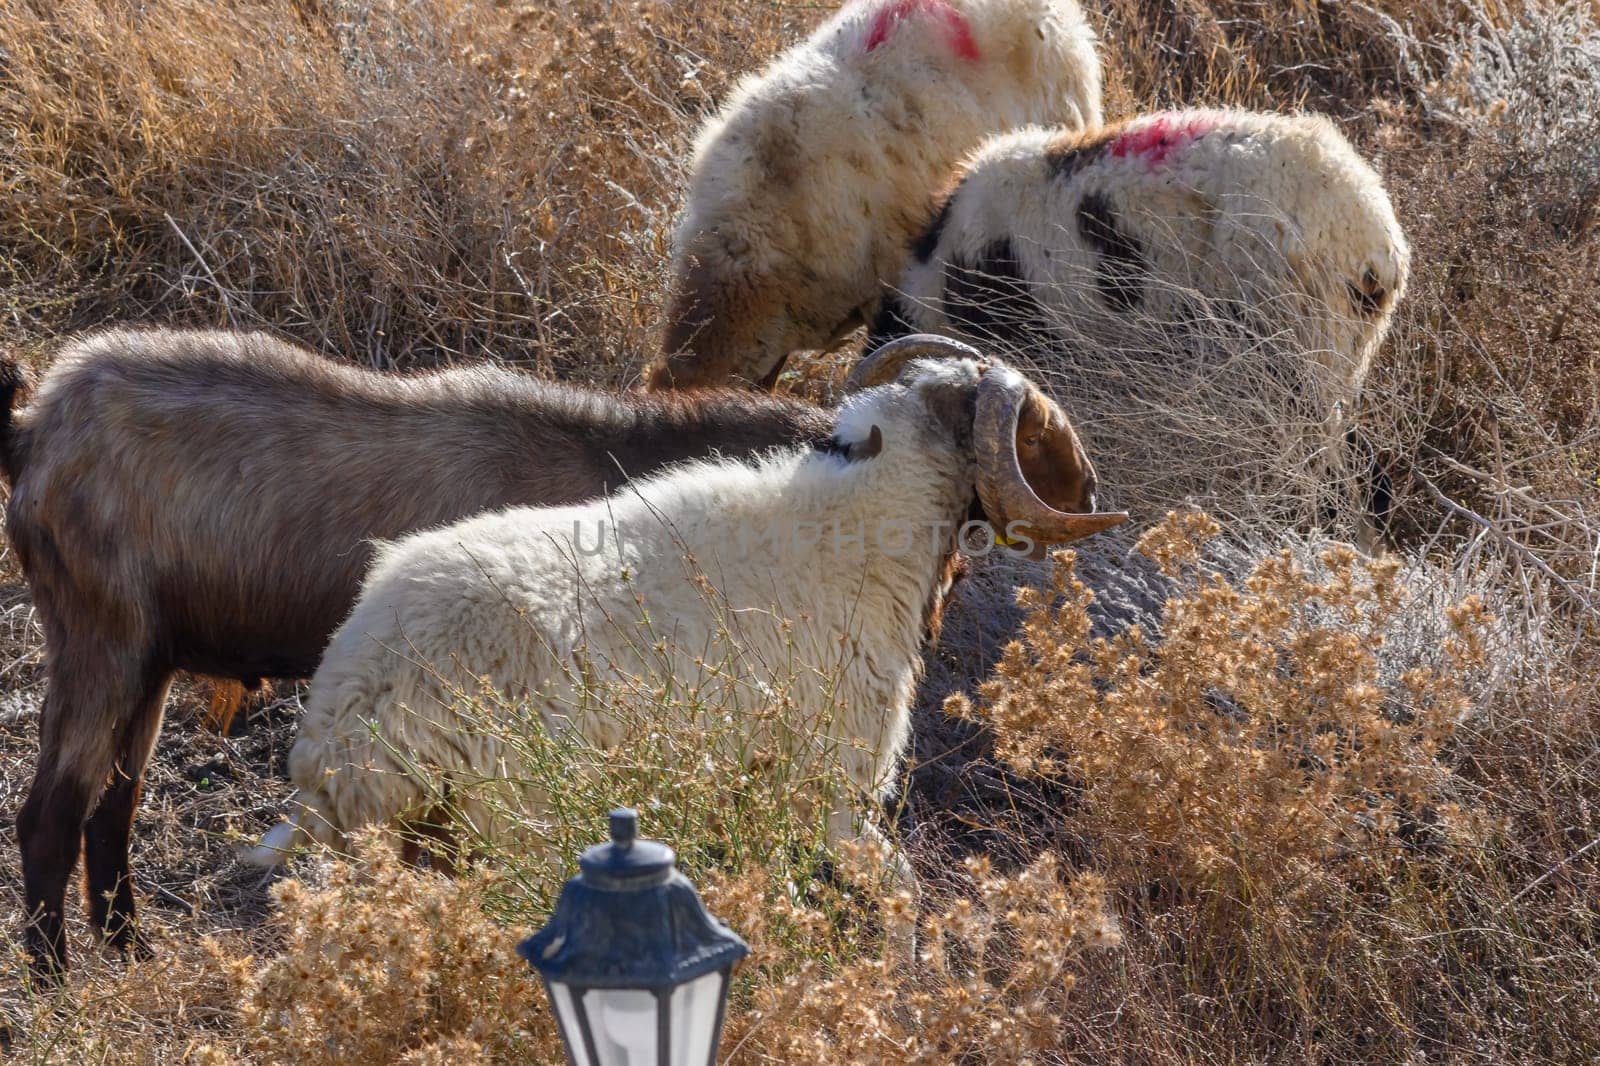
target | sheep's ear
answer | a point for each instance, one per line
(854, 451)
(866, 449)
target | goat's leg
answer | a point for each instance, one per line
(84, 711)
(108, 875)
(49, 832)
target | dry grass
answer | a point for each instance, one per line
(1318, 848)
(398, 183)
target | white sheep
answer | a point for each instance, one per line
(808, 184)
(835, 558)
(1152, 267)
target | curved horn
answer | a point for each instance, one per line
(884, 363)
(1006, 495)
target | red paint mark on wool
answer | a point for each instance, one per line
(957, 31)
(1155, 140)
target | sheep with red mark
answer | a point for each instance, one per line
(1150, 267)
(807, 186)
(208, 501)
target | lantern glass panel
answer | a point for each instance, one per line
(567, 1018)
(626, 1026)
(694, 1019)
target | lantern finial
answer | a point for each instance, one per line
(624, 826)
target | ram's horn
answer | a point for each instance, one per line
(1006, 495)
(884, 363)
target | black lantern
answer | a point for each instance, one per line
(637, 971)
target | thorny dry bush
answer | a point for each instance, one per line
(1307, 814)
(998, 966)
(1254, 751)
(387, 964)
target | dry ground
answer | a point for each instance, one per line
(411, 183)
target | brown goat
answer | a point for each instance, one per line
(207, 501)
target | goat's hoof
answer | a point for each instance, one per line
(46, 970)
(129, 944)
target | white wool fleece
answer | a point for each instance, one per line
(809, 183)
(1275, 212)
(509, 600)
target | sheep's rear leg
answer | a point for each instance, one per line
(106, 862)
(900, 931)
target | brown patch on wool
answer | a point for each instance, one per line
(1070, 153)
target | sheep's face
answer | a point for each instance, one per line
(1032, 477)
(1052, 457)
(732, 323)
(722, 326)
(1031, 474)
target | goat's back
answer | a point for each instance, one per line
(215, 494)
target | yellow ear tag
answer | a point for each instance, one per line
(1003, 540)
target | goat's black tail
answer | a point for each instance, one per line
(13, 383)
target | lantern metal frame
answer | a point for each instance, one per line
(630, 921)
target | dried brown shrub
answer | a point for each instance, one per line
(1312, 836)
(388, 964)
(1254, 750)
(997, 969)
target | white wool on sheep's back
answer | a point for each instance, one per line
(809, 182)
(1202, 290)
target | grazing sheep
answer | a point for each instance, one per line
(521, 601)
(206, 501)
(808, 185)
(1188, 279)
